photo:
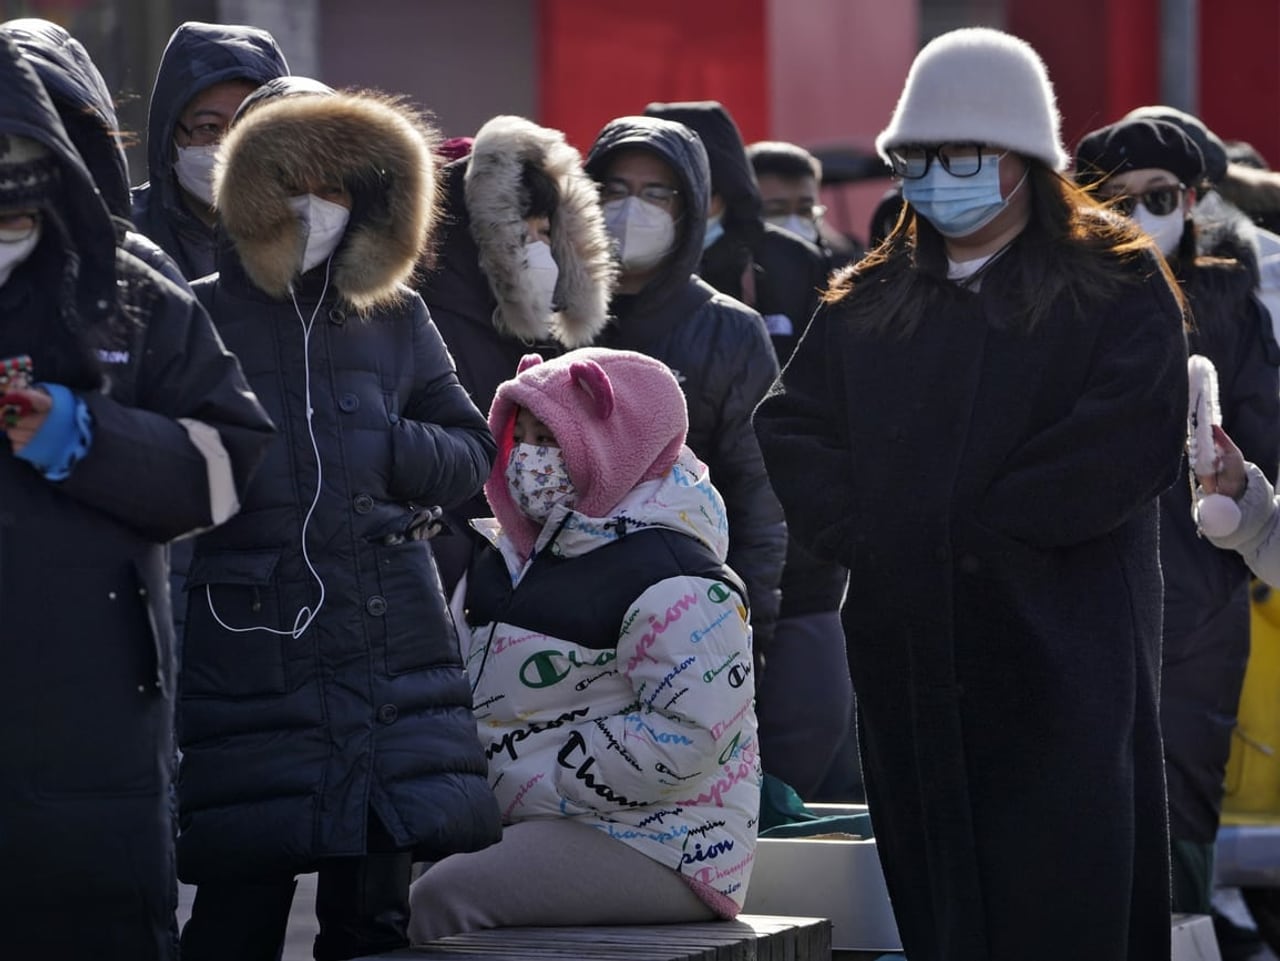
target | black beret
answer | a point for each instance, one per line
(1136, 144)
(1210, 144)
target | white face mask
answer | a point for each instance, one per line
(543, 272)
(800, 226)
(324, 223)
(538, 480)
(14, 252)
(1166, 230)
(194, 167)
(644, 233)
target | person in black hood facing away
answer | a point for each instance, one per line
(806, 697)
(1149, 169)
(139, 428)
(656, 186)
(205, 73)
(522, 263)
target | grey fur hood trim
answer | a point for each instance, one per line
(381, 151)
(579, 242)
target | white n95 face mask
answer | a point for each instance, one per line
(800, 226)
(1166, 230)
(324, 223)
(194, 168)
(14, 252)
(644, 233)
(543, 272)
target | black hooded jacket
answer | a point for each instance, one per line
(774, 271)
(198, 56)
(86, 656)
(84, 105)
(721, 354)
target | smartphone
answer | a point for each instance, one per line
(15, 375)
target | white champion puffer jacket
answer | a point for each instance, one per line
(653, 743)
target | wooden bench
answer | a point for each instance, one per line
(750, 938)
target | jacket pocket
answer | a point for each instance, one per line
(234, 643)
(416, 625)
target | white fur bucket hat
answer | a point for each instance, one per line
(978, 85)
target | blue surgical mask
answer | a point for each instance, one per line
(715, 230)
(959, 206)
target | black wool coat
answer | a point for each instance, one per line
(993, 494)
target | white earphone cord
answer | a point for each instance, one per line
(305, 615)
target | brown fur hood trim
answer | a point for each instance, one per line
(380, 149)
(579, 241)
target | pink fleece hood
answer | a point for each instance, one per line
(620, 418)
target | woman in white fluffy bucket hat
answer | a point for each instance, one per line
(977, 423)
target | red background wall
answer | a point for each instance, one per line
(609, 58)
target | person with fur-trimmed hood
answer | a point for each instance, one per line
(1149, 169)
(325, 715)
(522, 262)
(609, 649)
(139, 428)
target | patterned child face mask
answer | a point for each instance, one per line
(538, 480)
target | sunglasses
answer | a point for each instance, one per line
(1159, 201)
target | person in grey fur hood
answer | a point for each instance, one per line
(326, 718)
(522, 262)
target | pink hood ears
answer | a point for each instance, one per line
(620, 418)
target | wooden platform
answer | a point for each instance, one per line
(749, 938)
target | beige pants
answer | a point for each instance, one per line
(555, 872)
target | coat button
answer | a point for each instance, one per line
(376, 605)
(348, 403)
(362, 503)
(388, 713)
(337, 316)
(393, 417)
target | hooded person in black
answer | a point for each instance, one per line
(140, 428)
(806, 698)
(718, 348)
(84, 105)
(174, 207)
(765, 267)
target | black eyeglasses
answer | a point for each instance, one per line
(1159, 201)
(202, 134)
(911, 161)
(656, 194)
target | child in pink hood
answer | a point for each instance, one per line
(610, 657)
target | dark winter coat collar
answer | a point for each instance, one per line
(1222, 230)
(373, 144)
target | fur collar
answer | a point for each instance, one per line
(579, 241)
(374, 144)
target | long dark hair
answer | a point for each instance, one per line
(1071, 248)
